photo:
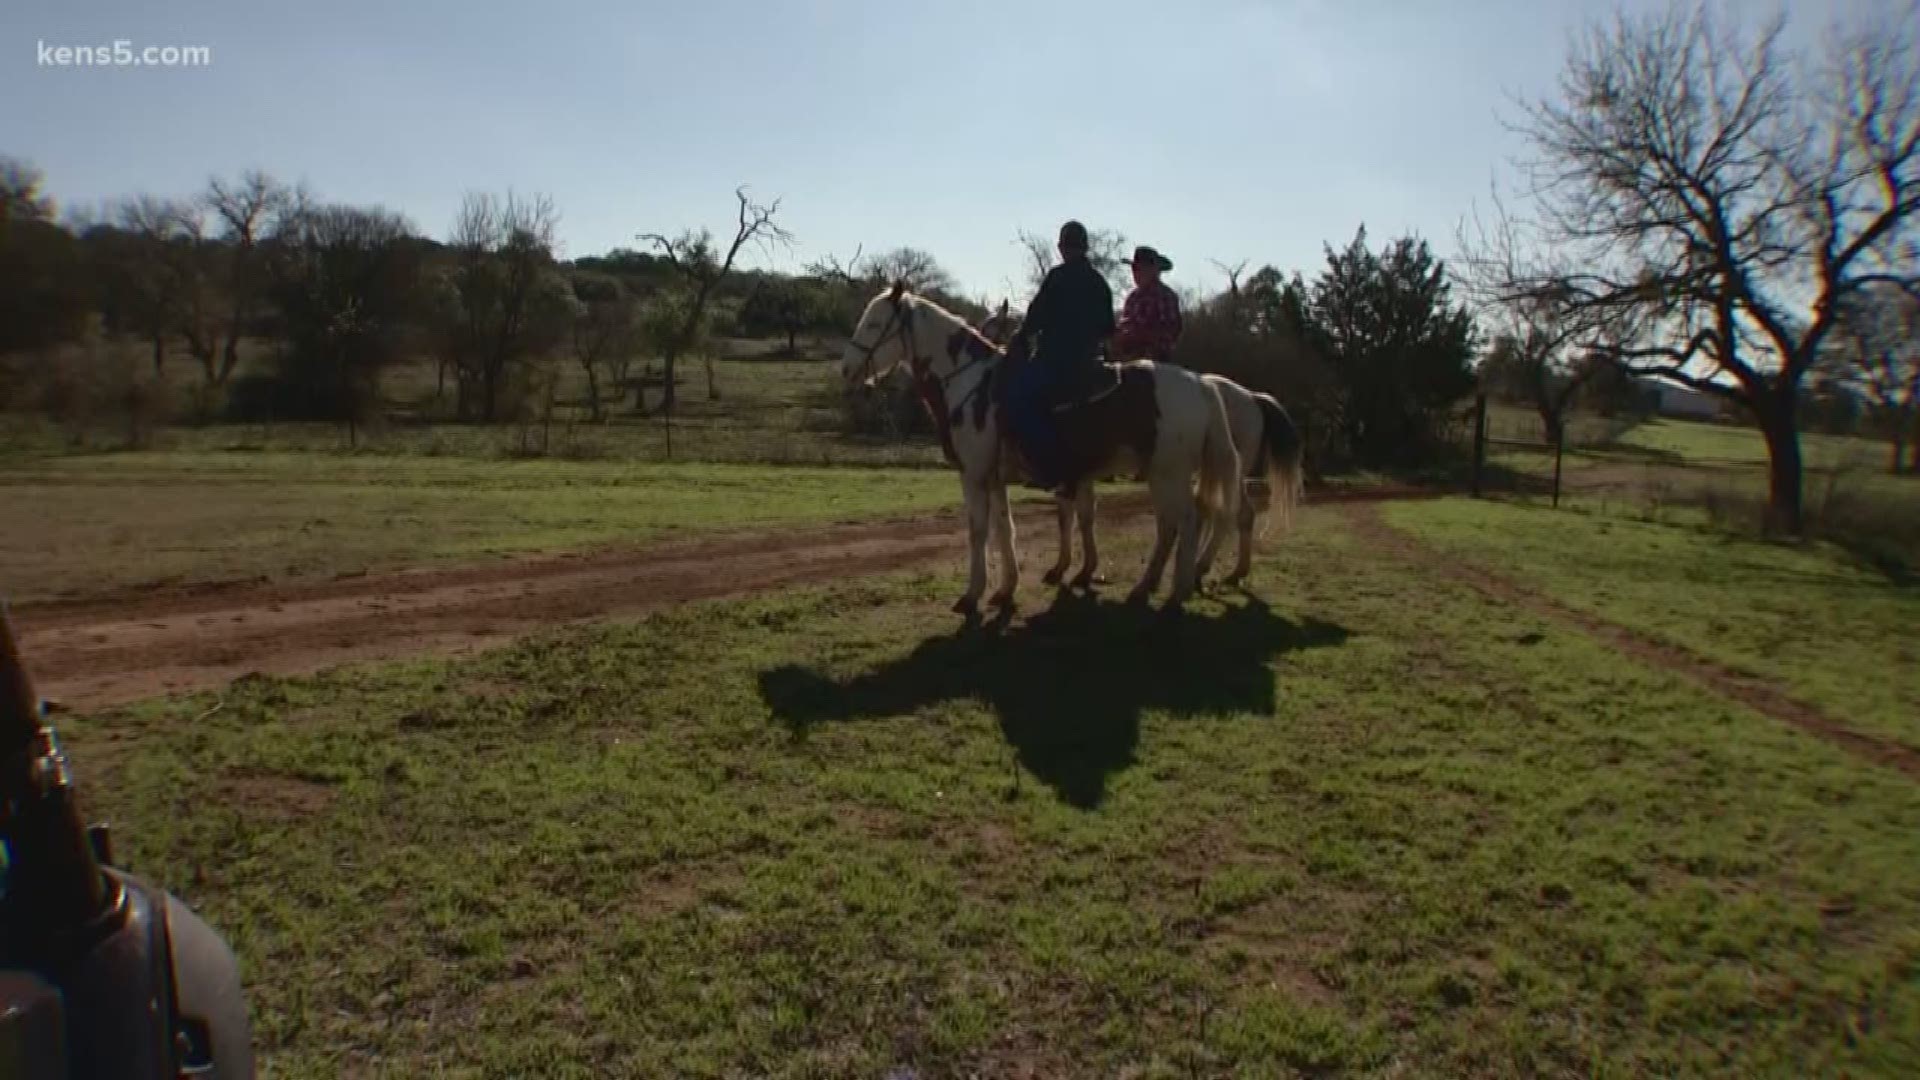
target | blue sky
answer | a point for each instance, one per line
(1227, 131)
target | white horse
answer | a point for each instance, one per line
(955, 368)
(1270, 448)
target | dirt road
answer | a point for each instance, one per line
(97, 653)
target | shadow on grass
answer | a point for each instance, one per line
(1070, 683)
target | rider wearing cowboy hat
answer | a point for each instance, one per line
(1150, 322)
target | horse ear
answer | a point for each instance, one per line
(899, 286)
(1003, 309)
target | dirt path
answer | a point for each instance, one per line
(97, 653)
(1758, 694)
(107, 651)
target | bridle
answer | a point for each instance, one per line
(899, 324)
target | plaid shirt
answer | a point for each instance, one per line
(1149, 323)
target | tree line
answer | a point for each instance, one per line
(1374, 353)
(339, 293)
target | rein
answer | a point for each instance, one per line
(902, 319)
(900, 324)
(932, 387)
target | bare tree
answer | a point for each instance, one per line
(606, 332)
(702, 270)
(1720, 198)
(849, 285)
(511, 303)
(150, 261)
(1233, 274)
(1039, 251)
(245, 208)
(1544, 345)
(1533, 364)
(918, 269)
(1106, 250)
(344, 281)
(853, 272)
(200, 313)
(1879, 343)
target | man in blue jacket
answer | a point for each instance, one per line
(1072, 317)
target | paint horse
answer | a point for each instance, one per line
(1271, 451)
(1158, 420)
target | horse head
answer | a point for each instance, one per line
(882, 339)
(1000, 326)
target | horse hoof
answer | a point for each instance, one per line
(1084, 582)
(1003, 602)
(966, 605)
(1052, 577)
(1138, 598)
(1234, 580)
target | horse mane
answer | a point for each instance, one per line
(920, 300)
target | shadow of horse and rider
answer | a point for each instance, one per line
(1069, 684)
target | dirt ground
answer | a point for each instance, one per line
(103, 652)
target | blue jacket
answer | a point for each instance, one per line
(1072, 314)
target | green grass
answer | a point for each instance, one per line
(1691, 441)
(1693, 472)
(1838, 635)
(1379, 827)
(89, 524)
(1665, 443)
(1506, 421)
(770, 411)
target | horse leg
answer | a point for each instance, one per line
(1186, 518)
(1063, 510)
(977, 500)
(1209, 546)
(1243, 561)
(1089, 550)
(1168, 520)
(1002, 519)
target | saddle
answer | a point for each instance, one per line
(1095, 386)
(1105, 425)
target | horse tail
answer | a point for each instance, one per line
(1279, 461)
(1219, 463)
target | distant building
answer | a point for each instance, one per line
(1672, 399)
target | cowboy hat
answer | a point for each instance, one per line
(1145, 254)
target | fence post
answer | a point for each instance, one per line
(1479, 439)
(1559, 450)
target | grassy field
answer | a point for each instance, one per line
(1838, 634)
(1663, 442)
(1700, 442)
(1690, 471)
(94, 523)
(1515, 422)
(771, 411)
(1374, 825)
(233, 501)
